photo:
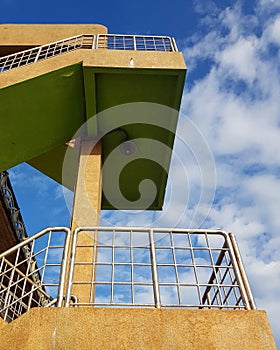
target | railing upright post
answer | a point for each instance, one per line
(65, 257)
(93, 42)
(154, 270)
(173, 45)
(242, 271)
(71, 267)
(97, 41)
(134, 43)
(38, 54)
(238, 275)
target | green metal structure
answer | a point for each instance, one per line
(40, 115)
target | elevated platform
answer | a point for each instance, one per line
(43, 104)
(148, 317)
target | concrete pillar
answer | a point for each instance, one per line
(86, 212)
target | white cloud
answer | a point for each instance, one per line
(239, 59)
(273, 31)
(268, 5)
(236, 105)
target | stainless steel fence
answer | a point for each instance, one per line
(32, 273)
(136, 42)
(143, 267)
(88, 41)
(124, 267)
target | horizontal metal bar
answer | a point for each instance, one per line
(156, 230)
(32, 238)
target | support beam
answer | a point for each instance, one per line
(86, 212)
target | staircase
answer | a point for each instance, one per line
(88, 41)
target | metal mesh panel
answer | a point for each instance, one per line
(32, 273)
(116, 267)
(46, 51)
(135, 42)
(158, 268)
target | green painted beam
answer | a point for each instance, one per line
(39, 114)
(51, 164)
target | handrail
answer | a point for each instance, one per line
(177, 265)
(88, 41)
(146, 267)
(32, 273)
(31, 239)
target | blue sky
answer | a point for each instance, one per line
(232, 97)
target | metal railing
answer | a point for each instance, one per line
(136, 42)
(124, 267)
(88, 41)
(32, 273)
(142, 267)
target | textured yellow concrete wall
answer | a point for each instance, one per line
(39, 34)
(88, 328)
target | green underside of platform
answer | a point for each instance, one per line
(40, 115)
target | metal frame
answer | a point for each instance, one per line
(88, 41)
(131, 267)
(31, 270)
(136, 42)
(185, 268)
(12, 207)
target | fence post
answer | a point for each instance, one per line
(154, 270)
(38, 54)
(65, 257)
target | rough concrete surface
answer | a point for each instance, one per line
(89, 328)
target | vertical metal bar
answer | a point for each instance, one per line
(63, 268)
(215, 271)
(97, 41)
(11, 278)
(134, 43)
(131, 266)
(92, 294)
(235, 265)
(242, 271)
(175, 267)
(173, 45)
(93, 42)
(194, 269)
(38, 54)
(71, 268)
(154, 270)
(46, 252)
(113, 266)
(233, 280)
(208, 297)
(30, 297)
